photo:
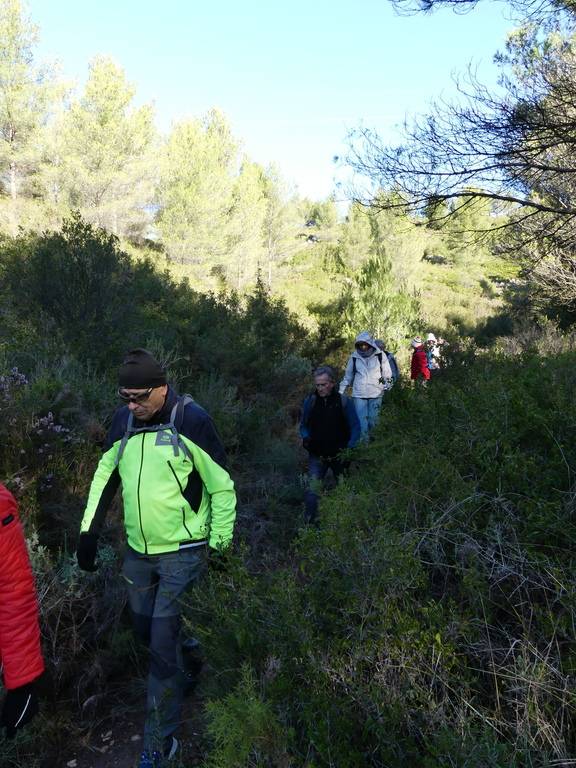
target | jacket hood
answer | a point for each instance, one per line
(368, 339)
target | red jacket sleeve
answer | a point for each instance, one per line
(19, 631)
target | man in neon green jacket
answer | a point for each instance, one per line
(179, 502)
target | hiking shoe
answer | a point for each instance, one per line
(154, 759)
(150, 759)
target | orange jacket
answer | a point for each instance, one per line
(20, 652)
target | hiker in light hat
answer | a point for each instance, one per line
(369, 374)
(434, 353)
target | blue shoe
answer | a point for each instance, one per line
(150, 759)
(155, 759)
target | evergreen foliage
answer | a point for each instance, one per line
(196, 182)
(26, 95)
(281, 223)
(246, 224)
(378, 303)
(100, 155)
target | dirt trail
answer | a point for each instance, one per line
(117, 743)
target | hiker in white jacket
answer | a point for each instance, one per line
(369, 374)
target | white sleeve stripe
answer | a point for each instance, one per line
(17, 723)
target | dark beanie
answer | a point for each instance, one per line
(140, 370)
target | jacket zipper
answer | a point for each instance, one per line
(138, 495)
(182, 494)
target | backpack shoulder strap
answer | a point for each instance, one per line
(176, 419)
(379, 356)
(177, 416)
(125, 438)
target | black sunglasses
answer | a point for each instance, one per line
(138, 398)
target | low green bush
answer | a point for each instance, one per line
(427, 621)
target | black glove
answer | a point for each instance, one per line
(20, 706)
(219, 560)
(86, 551)
(306, 443)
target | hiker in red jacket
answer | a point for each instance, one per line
(419, 370)
(20, 653)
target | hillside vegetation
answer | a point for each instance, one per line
(429, 619)
(426, 621)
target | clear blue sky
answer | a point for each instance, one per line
(292, 78)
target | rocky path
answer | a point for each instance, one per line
(117, 742)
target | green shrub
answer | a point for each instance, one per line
(428, 620)
(245, 731)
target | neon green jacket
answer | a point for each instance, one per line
(168, 500)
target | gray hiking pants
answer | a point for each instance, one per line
(156, 584)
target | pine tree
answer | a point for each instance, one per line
(101, 155)
(197, 175)
(246, 221)
(26, 94)
(280, 222)
(378, 303)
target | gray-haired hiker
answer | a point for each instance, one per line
(179, 504)
(328, 425)
(370, 375)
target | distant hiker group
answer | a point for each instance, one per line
(332, 422)
(427, 359)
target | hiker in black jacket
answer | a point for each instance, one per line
(329, 424)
